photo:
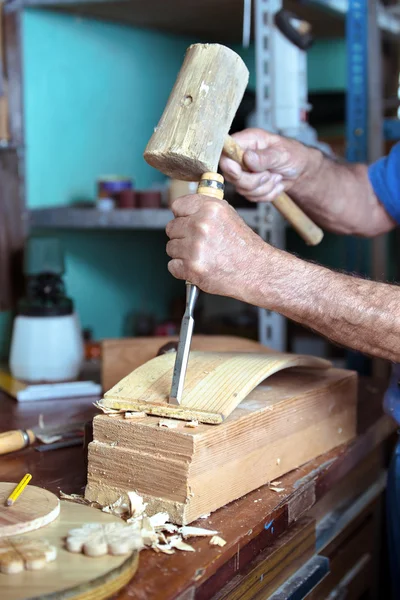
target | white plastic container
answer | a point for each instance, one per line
(46, 349)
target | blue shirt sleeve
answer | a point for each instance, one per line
(384, 176)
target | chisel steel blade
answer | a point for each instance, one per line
(185, 340)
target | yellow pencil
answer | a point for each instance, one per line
(17, 491)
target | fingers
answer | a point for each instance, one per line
(180, 248)
(269, 159)
(176, 268)
(256, 187)
(254, 139)
(176, 228)
(187, 205)
(249, 182)
(265, 193)
(232, 170)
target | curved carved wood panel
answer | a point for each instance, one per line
(215, 383)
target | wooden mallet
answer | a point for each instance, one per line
(193, 130)
(187, 145)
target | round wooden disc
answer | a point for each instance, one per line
(34, 508)
(71, 576)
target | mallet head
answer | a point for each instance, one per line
(189, 138)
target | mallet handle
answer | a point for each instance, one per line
(305, 227)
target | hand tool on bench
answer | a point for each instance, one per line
(187, 145)
(10, 441)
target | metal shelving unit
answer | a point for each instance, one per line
(65, 217)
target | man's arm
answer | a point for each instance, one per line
(211, 246)
(360, 314)
(339, 197)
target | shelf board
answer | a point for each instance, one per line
(208, 20)
(65, 217)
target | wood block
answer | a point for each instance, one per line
(120, 357)
(215, 383)
(35, 508)
(295, 417)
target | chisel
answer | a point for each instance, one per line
(10, 441)
(185, 340)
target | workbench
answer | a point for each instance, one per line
(323, 530)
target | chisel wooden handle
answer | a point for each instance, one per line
(305, 227)
(10, 441)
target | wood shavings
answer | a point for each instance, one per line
(168, 423)
(19, 554)
(134, 415)
(169, 527)
(136, 504)
(193, 423)
(187, 531)
(277, 489)
(159, 519)
(97, 539)
(78, 499)
(205, 516)
(108, 411)
(117, 508)
(275, 483)
(150, 532)
(177, 542)
(165, 548)
(216, 540)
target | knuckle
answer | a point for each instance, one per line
(214, 208)
(201, 228)
(169, 228)
(197, 270)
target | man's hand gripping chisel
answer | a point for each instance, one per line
(211, 184)
(187, 145)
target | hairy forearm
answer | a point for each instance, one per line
(353, 312)
(340, 197)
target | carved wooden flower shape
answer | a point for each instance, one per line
(96, 539)
(18, 553)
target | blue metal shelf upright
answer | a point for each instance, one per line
(357, 81)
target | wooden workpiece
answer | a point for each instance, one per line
(292, 418)
(122, 356)
(215, 383)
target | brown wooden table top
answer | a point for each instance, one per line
(248, 525)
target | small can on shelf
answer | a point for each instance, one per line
(149, 199)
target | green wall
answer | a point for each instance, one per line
(93, 93)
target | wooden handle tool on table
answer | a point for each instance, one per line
(17, 439)
(11, 441)
(304, 226)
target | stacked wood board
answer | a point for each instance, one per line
(286, 421)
